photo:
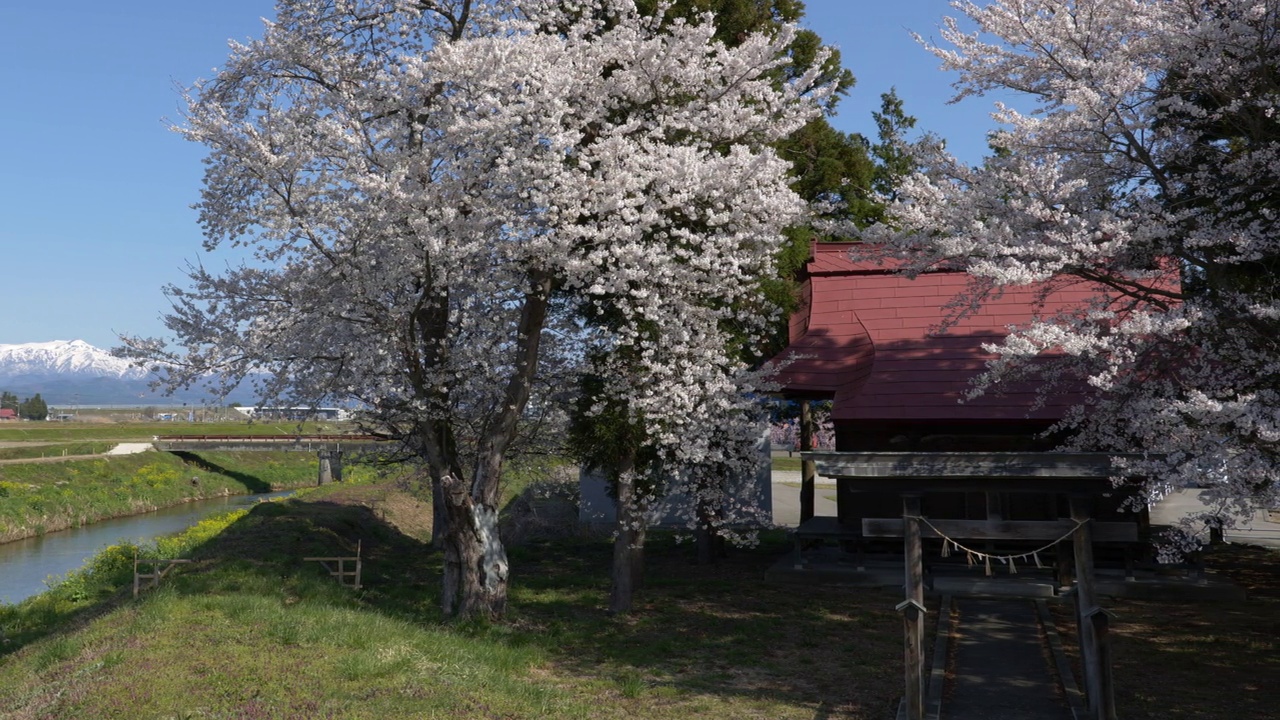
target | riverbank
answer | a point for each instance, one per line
(41, 498)
(250, 630)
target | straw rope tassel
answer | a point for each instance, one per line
(1036, 557)
(988, 559)
(946, 548)
(1013, 569)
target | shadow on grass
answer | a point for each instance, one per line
(253, 484)
(698, 632)
(1200, 660)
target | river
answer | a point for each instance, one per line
(25, 564)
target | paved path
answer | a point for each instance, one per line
(130, 448)
(786, 498)
(1000, 668)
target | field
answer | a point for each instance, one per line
(45, 432)
(278, 639)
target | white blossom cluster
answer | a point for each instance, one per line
(438, 194)
(1149, 167)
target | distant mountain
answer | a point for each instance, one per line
(75, 372)
(65, 358)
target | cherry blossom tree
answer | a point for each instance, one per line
(1148, 165)
(438, 196)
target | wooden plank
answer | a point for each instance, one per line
(828, 528)
(935, 465)
(1040, 485)
(1039, 530)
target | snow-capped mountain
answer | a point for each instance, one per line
(63, 357)
(75, 372)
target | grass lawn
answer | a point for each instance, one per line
(249, 630)
(1198, 660)
(786, 463)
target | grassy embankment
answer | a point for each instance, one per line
(249, 630)
(144, 431)
(38, 498)
(35, 450)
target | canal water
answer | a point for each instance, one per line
(25, 565)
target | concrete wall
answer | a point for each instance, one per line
(597, 509)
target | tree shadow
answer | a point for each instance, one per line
(717, 632)
(253, 484)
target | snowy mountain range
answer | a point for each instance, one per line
(67, 372)
(62, 357)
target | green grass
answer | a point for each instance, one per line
(27, 452)
(77, 431)
(44, 497)
(249, 630)
(1198, 660)
(786, 463)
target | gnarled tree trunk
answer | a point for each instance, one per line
(475, 573)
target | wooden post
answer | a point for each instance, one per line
(1102, 635)
(912, 608)
(1086, 603)
(808, 470)
(1062, 569)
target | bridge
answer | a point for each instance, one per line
(328, 448)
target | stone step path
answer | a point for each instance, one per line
(1000, 666)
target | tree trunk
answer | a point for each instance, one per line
(439, 518)
(628, 545)
(702, 541)
(475, 572)
(706, 535)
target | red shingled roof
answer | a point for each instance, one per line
(871, 340)
(8, 414)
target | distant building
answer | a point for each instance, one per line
(8, 415)
(294, 413)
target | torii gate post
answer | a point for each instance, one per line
(912, 608)
(808, 470)
(1090, 618)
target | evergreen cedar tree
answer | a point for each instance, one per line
(453, 211)
(1144, 155)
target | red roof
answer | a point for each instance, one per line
(872, 340)
(8, 414)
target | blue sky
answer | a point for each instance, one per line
(95, 191)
